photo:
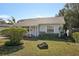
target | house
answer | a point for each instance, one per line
(38, 26)
(3, 26)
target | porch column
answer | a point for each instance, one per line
(30, 31)
(37, 30)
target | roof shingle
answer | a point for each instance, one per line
(37, 21)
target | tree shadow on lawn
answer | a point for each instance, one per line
(4, 50)
(53, 39)
(47, 39)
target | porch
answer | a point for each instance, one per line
(32, 31)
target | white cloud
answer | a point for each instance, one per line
(4, 16)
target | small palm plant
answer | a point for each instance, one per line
(15, 35)
(13, 21)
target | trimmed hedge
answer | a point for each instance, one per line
(75, 36)
(48, 36)
(15, 35)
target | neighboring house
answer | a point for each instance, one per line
(3, 26)
(38, 26)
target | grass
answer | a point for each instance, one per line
(4, 50)
(56, 48)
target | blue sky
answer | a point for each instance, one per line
(29, 10)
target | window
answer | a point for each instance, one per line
(50, 28)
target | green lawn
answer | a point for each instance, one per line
(30, 48)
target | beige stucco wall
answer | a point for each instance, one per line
(43, 28)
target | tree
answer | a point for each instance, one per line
(61, 12)
(2, 21)
(12, 21)
(71, 15)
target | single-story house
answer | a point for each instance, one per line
(37, 26)
(3, 26)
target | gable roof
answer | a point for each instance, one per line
(37, 21)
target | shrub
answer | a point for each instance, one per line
(75, 36)
(15, 35)
(5, 32)
(48, 36)
(10, 43)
